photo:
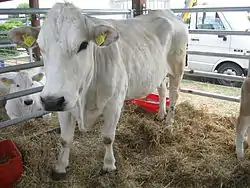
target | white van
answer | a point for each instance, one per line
(231, 44)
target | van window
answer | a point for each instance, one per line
(238, 20)
(208, 20)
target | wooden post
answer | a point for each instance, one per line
(138, 6)
(35, 22)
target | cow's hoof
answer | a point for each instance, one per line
(109, 167)
(160, 118)
(56, 176)
(83, 130)
(240, 157)
(104, 171)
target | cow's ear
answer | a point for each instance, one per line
(104, 35)
(24, 36)
(38, 77)
(7, 81)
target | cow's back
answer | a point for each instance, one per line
(179, 38)
(140, 54)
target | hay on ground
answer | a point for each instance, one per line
(199, 153)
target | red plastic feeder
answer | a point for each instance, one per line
(150, 103)
(11, 168)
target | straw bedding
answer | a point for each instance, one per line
(200, 152)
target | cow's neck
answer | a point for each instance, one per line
(87, 83)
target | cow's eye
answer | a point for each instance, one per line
(17, 85)
(83, 46)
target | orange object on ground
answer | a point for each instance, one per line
(150, 103)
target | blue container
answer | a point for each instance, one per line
(1, 63)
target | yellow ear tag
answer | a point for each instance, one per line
(29, 40)
(37, 77)
(101, 39)
(5, 82)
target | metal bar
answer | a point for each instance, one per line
(123, 11)
(5, 41)
(14, 58)
(31, 59)
(45, 10)
(5, 51)
(41, 113)
(186, 72)
(212, 9)
(7, 45)
(214, 75)
(40, 63)
(106, 11)
(22, 119)
(219, 54)
(131, 13)
(3, 19)
(21, 67)
(218, 32)
(21, 93)
(3, 32)
(212, 95)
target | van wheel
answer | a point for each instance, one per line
(230, 69)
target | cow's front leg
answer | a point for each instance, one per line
(174, 86)
(67, 125)
(111, 116)
(242, 124)
(162, 96)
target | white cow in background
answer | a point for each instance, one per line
(243, 119)
(25, 105)
(93, 65)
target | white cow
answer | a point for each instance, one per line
(243, 119)
(21, 106)
(93, 65)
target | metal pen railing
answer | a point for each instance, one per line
(130, 13)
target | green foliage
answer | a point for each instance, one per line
(10, 24)
(248, 18)
(6, 26)
(7, 51)
(23, 5)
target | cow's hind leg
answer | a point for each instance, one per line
(162, 95)
(67, 125)
(111, 116)
(176, 59)
(242, 124)
(174, 86)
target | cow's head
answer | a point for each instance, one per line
(68, 41)
(18, 81)
(26, 38)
